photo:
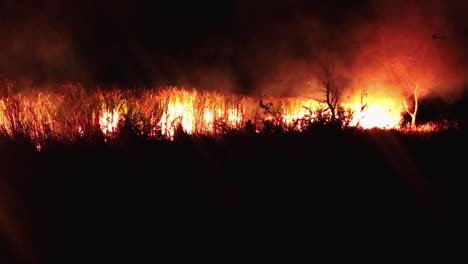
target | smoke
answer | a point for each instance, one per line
(408, 45)
(33, 47)
(387, 47)
(268, 47)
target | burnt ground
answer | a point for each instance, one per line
(133, 198)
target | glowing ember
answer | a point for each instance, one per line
(80, 131)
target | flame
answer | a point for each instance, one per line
(294, 109)
(163, 111)
(108, 121)
(179, 112)
(377, 113)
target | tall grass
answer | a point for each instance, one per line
(72, 112)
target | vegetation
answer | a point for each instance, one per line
(111, 192)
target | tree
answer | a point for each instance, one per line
(416, 73)
(415, 63)
(329, 72)
(414, 110)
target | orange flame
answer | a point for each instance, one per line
(108, 121)
(380, 113)
(41, 114)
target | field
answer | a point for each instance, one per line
(124, 190)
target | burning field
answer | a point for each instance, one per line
(72, 112)
(82, 173)
(121, 121)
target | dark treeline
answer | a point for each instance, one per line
(135, 198)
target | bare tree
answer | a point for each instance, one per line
(329, 73)
(415, 73)
(414, 110)
(414, 63)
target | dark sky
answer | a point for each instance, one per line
(225, 45)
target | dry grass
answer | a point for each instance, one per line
(70, 112)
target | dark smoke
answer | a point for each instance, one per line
(243, 46)
(34, 44)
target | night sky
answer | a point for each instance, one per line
(237, 46)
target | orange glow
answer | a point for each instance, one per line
(161, 112)
(109, 121)
(377, 113)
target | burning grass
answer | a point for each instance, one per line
(72, 113)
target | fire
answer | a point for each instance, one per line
(161, 112)
(197, 111)
(108, 121)
(178, 113)
(383, 113)
(295, 109)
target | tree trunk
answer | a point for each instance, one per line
(330, 104)
(414, 112)
(413, 120)
(333, 114)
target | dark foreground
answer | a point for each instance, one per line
(134, 199)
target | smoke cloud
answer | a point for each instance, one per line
(34, 47)
(268, 47)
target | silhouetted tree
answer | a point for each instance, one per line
(330, 74)
(415, 63)
(406, 72)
